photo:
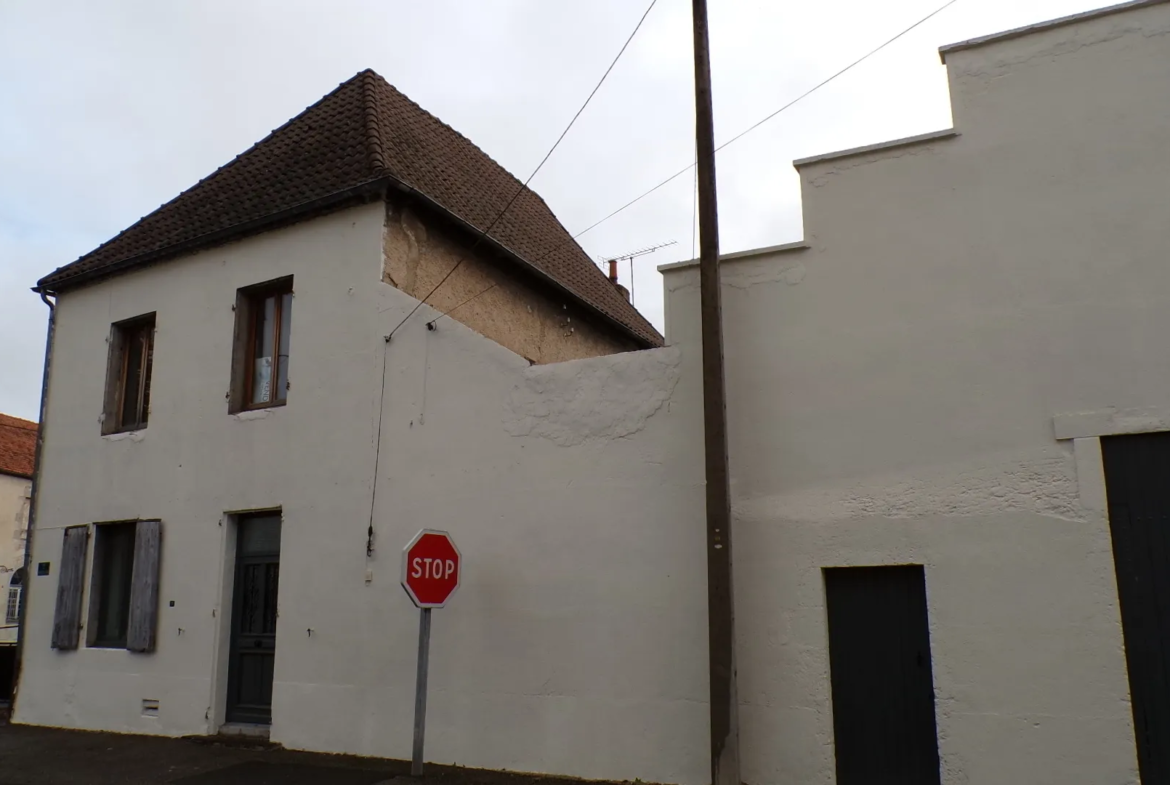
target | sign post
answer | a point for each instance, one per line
(431, 565)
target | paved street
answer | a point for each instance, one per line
(48, 756)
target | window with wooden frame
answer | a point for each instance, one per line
(123, 605)
(113, 561)
(261, 349)
(127, 404)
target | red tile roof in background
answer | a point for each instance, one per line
(363, 132)
(18, 445)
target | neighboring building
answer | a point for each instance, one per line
(948, 416)
(18, 439)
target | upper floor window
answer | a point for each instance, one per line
(260, 356)
(127, 404)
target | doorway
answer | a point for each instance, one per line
(1137, 482)
(252, 655)
(880, 674)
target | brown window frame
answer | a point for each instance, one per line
(249, 310)
(123, 336)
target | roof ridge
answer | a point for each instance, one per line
(450, 128)
(569, 238)
(374, 137)
(216, 173)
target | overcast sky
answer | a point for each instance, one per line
(109, 109)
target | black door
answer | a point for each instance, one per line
(253, 645)
(880, 671)
(1137, 479)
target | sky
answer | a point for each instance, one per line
(108, 110)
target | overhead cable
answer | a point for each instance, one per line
(524, 187)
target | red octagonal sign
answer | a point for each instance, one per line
(430, 568)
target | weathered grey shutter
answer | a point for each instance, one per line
(67, 616)
(140, 634)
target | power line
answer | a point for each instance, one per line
(694, 209)
(733, 139)
(465, 302)
(791, 103)
(539, 166)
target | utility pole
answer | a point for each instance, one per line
(720, 598)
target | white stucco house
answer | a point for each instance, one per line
(949, 428)
(17, 451)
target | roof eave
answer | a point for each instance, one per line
(374, 187)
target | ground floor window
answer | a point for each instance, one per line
(113, 565)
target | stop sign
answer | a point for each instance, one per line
(430, 568)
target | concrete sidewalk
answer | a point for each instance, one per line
(51, 756)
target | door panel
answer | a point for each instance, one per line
(880, 673)
(254, 614)
(1137, 480)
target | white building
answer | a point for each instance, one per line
(947, 411)
(17, 450)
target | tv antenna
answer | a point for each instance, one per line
(630, 256)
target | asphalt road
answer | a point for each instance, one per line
(52, 756)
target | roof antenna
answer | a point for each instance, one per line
(630, 256)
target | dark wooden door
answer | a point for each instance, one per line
(253, 645)
(1137, 479)
(880, 672)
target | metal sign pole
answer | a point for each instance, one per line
(420, 691)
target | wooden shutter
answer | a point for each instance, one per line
(67, 616)
(140, 634)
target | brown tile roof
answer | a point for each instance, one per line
(363, 134)
(18, 444)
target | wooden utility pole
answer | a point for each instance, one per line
(720, 599)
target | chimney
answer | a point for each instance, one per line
(613, 279)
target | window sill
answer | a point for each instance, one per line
(259, 412)
(134, 435)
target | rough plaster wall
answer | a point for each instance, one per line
(577, 642)
(417, 255)
(13, 525)
(894, 402)
(569, 403)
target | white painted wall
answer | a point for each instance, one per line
(577, 643)
(13, 522)
(892, 391)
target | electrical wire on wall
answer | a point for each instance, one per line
(377, 450)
